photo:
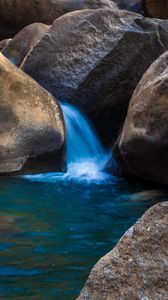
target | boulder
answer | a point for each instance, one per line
(156, 8)
(16, 14)
(143, 146)
(23, 42)
(95, 59)
(32, 133)
(137, 268)
(4, 43)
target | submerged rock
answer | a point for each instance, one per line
(16, 14)
(95, 59)
(23, 42)
(156, 8)
(137, 268)
(143, 146)
(31, 124)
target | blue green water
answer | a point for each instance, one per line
(52, 233)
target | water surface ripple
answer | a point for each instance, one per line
(51, 234)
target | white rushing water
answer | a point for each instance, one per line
(86, 157)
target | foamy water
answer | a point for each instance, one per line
(85, 155)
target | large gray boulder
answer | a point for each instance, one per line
(137, 268)
(95, 59)
(16, 14)
(143, 146)
(32, 136)
(23, 42)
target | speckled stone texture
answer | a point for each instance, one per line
(137, 268)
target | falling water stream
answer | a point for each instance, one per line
(85, 155)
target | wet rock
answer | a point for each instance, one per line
(143, 146)
(137, 268)
(95, 59)
(31, 125)
(156, 8)
(16, 14)
(23, 42)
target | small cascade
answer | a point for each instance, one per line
(86, 157)
(82, 143)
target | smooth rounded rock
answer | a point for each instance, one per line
(32, 135)
(143, 146)
(17, 49)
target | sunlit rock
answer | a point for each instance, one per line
(137, 268)
(31, 124)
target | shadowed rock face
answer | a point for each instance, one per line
(95, 59)
(23, 42)
(31, 124)
(4, 43)
(143, 145)
(131, 5)
(137, 268)
(16, 14)
(156, 8)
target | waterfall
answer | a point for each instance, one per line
(86, 157)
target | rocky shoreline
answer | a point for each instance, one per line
(110, 59)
